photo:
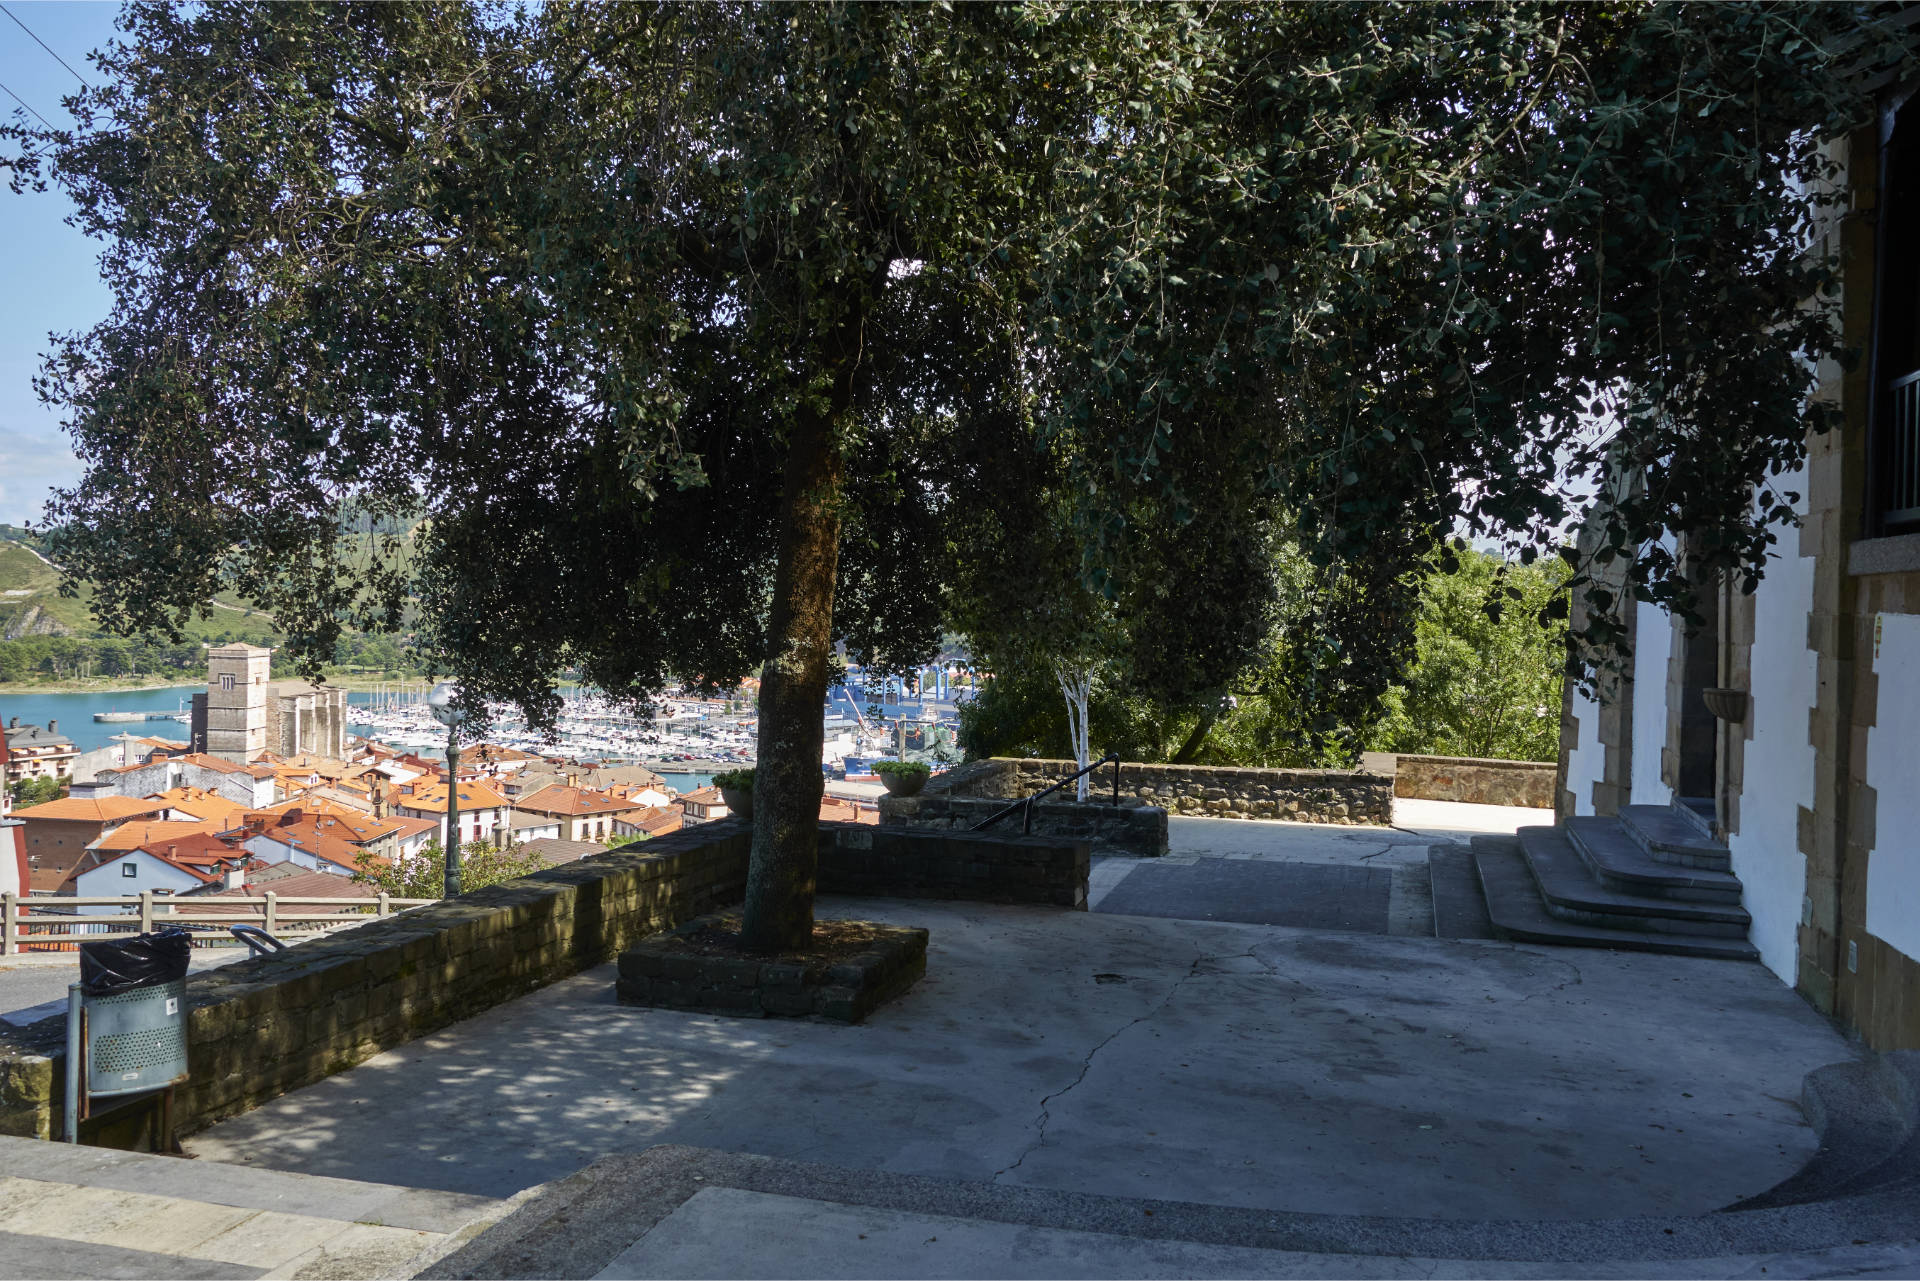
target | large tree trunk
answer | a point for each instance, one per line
(787, 781)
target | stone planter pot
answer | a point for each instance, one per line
(903, 784)
(739, 802)
(1726, 704)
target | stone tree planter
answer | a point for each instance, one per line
(739, 802)
(903, 784)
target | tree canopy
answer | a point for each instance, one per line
(688, 329)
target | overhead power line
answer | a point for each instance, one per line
(28, 105)
(44, 45)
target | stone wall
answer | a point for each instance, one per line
(1475, 781)
(887, 862)
(1134, 827)
(259, 1028)
(1207, 791)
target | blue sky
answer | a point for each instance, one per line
(49, 279)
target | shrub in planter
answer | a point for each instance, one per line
(902, 778)
(736, 788)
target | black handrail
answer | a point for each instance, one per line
(1025, 803)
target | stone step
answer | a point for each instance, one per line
(1667, 837)
(1515, 907)
(1620, 862)
(1459, 909)
(1698, 811)
(1569, 890)
(71, 1210)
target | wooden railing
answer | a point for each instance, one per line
(56, 924)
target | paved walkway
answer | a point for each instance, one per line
(1132, 1056)
(88, 1212)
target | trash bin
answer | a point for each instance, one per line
(126, 1020)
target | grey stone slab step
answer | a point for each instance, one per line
(24, 1255)
(1619, 861)
(1669, 838)
(1698, 811)
(1459, 909)
(1570, 891)
(243, 1187)
(1513, 903)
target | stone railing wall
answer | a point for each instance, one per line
(1133, 827)
(1475, 781)
(259, 1028)
(883, 862)
(1209, 791)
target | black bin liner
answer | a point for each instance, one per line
(121, 965)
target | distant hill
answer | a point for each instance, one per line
(31, 603)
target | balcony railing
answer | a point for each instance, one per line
(1903, 451)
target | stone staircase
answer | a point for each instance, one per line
(1651, 879)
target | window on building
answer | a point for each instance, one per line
(1894, 435)
(226, 680)
(128, 869)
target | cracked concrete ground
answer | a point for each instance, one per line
(1133, 1056)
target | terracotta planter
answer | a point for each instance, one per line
(903, 784)
(739, 802)
(1727, 704)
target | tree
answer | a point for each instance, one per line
(1489, 656)
(677, 335)
(423, 875)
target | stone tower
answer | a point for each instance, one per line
(237, 696)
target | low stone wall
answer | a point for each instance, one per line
(259, 1028)
(1208, 791)
(889, 862)
(1475, 781)
(1133, 827)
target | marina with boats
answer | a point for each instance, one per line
(890, 718)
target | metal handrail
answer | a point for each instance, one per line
(1025, 803)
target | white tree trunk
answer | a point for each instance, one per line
(1075, 685)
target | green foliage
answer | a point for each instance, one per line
(1485, 681)
(697, 336)
(1488, 664)
(34, 791)
(620, 842)
(738, 780)
(424, 875)
(902, 769)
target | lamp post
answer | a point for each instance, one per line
(440, 703)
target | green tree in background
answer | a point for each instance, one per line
(1490, 655)
(423, 875)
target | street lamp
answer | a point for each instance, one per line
(440, 703)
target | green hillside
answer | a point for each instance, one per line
(31, 605)
(45, 637)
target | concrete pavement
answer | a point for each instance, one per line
(1132, 1056)
(688, 1212)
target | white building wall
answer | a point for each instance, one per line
(1652, 650)
(1777, 762)
(1893, 771)
(109, 879)
(1586, 763)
